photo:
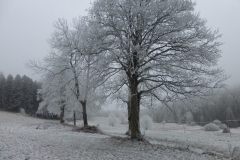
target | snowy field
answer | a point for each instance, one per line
(20, 140)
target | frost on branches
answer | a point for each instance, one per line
(161, 48)
(70, 71)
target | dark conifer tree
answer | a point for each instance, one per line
(2, 88)
(17, 94)
(25, 85)
(231, 120)
(20, 92)
(8, 92)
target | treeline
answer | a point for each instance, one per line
(18, 92)
(223, 105)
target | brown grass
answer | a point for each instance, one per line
(88, 129)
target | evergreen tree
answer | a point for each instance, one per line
(2, 87)
(17, 94)
(31, 92)
(25, 85)
(231, 118)
(8, 92)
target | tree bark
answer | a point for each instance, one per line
(134, 108)
(62, 114)
(129, 118)
(84, 112)
(74, 118)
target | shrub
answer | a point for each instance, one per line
(217, 122)
(189, 117)
(122, 118)
(112, 119)
(211, 127)
(226, 130)
(103, 113)
(146, 122)
(236, 152)
(22, 112)
(163, 123)
(192, 124)
(223, 126)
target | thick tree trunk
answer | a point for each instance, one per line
(62, 114)
(84, 112)
(134, 108)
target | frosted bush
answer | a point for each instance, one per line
(146, 122)
(217, 122)
(103, 113)
(192, 124)
(223, 126)
(112, 119)
(189, 117)
(211, 127)
(163, 123)
(22, 112)
(226, 130)
(65, 120)
(122, 118)
(236, 152)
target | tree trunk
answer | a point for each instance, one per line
(129, 119)
(84, 112)
(134, 108)
(62, 114)
(74, 118)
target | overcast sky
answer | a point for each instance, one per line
(25, 26)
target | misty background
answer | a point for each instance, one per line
(26, 26)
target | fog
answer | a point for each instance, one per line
(26, 25)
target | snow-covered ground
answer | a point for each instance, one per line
(20, 140)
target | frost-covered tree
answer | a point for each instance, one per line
(122, 117)
(112, 119)
(146, 122)
(163, 48)
(73, 52)
(53, 95)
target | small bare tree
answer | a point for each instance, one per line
(73, 51)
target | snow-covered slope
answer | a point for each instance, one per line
(20, 140)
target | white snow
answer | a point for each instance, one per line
(20, 140)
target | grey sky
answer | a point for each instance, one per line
(25, 26)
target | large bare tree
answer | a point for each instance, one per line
(162, 47)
